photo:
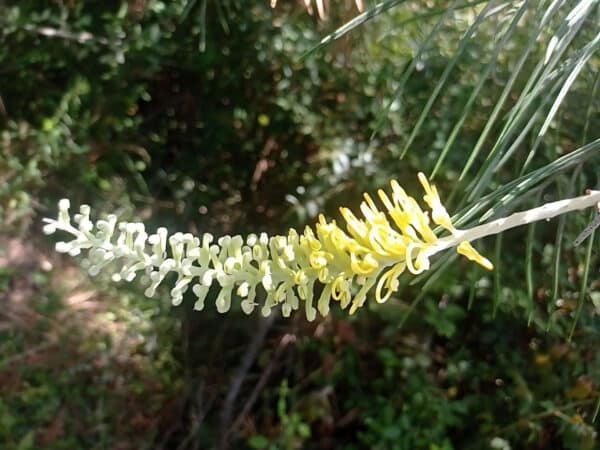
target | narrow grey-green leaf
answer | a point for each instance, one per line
(497, 270)
(531, 43)
(352, 24)
(529, 270)
(528, 106)
(482, 78)
(583, 286)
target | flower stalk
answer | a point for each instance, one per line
(544, 212)
(285, 271)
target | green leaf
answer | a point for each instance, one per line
(27, 442)
(258, 441)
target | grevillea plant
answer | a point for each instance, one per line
(285, 270)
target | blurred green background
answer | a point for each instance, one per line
(228, 117)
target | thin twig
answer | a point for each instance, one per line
(239, 377)
(3, 112)
(262, 381)
(82, 37)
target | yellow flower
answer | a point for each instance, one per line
(284, 270)
(466, 249)
(378, 250)
(438, 212)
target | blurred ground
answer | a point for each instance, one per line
(71, 369)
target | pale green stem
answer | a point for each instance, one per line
(545, 212)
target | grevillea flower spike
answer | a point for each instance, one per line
(286, 270)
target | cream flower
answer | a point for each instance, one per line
(284, 271)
